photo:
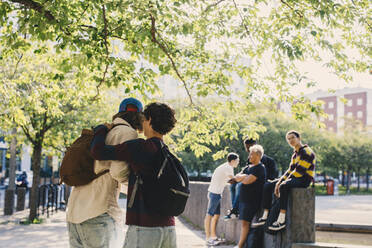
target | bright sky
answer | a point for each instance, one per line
(327, 80)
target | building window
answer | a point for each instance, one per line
(350, 102)
(330, 117)
(350, 114)
(360, 114)
(331, 105)
(360, 101)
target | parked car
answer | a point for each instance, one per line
(17, 181)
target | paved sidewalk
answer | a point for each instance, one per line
(53, 233)
(352, 209)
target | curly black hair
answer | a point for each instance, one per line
(162, 117)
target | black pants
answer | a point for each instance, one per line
(295, 182)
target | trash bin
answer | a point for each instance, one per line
(330, 186)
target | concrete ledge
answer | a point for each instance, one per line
(350, 228)
(327, 245)
(300, 224)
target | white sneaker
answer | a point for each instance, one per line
(215, 241)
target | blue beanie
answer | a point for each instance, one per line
(132, 101)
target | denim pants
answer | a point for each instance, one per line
(234, 193)
(150, 237)
(295, 182)
(99, 232)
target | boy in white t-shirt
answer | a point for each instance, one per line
(220, 177)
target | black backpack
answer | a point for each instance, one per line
(167, 190)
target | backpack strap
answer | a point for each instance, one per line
(134, 191)
(106, 171)
(119, 124)
(167, 156)
(102, 173)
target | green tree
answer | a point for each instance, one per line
(46, 103)
(201, 43)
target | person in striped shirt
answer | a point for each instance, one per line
(299, 175)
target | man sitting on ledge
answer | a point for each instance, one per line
(299, 175)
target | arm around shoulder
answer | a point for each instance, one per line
(119, 169)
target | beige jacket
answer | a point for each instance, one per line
(101, 195)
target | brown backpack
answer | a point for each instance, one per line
(77, 166)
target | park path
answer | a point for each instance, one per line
(53, 233)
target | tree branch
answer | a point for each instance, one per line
(27, 133)
(16, 67)
(289, 6)
(212, 5)
(37, 7)
(164, 49)
(107, 52)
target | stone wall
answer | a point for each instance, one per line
(300, 216)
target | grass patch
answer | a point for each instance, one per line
(320, 189)
(28, 222)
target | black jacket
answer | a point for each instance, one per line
(270, 166)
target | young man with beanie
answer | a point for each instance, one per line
(299, 175)
(221, 175)
(93, 214)
(146, 229)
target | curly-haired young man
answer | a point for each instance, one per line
(146, 228)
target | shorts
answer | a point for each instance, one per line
(214, 206)
(247, 211)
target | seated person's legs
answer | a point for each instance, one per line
(284, 189)
(301, 182)
(267, 200)
(234, 193)
(237, 195)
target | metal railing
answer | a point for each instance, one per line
(51, 198)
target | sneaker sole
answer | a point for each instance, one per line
(258, 224)
(276, 228)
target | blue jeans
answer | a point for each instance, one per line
(150, 237)
(214, 204)
(99, 232)
(234, 194)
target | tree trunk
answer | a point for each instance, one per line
(367, 181)
(13, 160)
(348, 179)
(9, 195)
(358, 176)
(36, 161)
(324, 179)
(343, 178)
